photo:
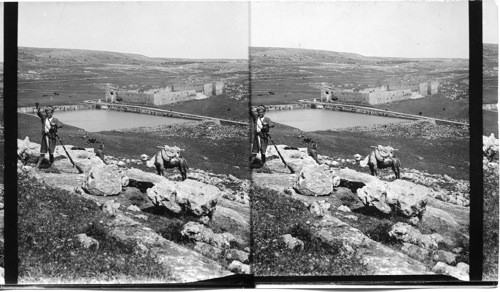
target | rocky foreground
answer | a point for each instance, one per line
(429, 212)
(217, 208)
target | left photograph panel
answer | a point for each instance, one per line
(132, 142)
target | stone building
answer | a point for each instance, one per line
(165, 95)
(380, 95)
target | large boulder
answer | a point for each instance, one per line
(314, 180)
(103, 180)
(189, 196)
(295, 158)
(139, 175)
(401, 197)
(352, 175)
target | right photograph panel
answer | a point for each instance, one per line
(360, 138)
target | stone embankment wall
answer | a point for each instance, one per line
(351, 96)
(32, 109)
(362, 110)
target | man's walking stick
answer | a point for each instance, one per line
(283, 160)
(70, 159)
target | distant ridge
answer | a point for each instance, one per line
(326, 56)
(58, 55)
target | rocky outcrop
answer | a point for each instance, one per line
(292, 242)
(198, 232)
(378, 258)
(86, 241)
(238, 255)
(461, 271)
(401, 197)
(416, 252)
(190, 196)
(314, 180)
(110, 208)
(406, 233)
(239, 268)
(103, 180)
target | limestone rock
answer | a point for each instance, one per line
(406, 233)
(314, 180)
(239, 268)
(86, 241)
(139, 175)
(447, 257)
(418, 253)
(401, 197)
(134, 208)
(344, 208)
(457, 272)
(238, 255)
(292, 242)
(352, 175)
(199, 232)
(316, 210)
(208, 250)
(110, 207)
(103, 180)
(191, 196)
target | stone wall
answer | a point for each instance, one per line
(388, 96)
(134, 97)
(110, 95)
(208, 89)
(434, 87)
(423, 89)
(217, 87)
(187, 87)
(163, 98)
(350, 96)
(412, 87)
(326, 95)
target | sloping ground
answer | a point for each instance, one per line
(144, 231)
(364, 232)
(380, 260)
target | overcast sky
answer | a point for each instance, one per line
(388, 29)
(155, 29)
(221, 30)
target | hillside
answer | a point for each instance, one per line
(490, 73)
(68, 76)
(283, 75)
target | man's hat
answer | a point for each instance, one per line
(261, 108)
(49, 108)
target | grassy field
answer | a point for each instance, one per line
(422, 146)
(219, 154)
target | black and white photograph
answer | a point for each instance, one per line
(249, 144)
(132, 125)
(360, 157)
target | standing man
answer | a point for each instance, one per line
(261, 134)
(49, 131)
